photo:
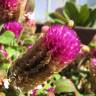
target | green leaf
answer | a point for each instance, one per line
(58, 21)
(56, 76)
(78, 94)
(72, 11)
(90, 94)
(83, 15)
(21, 94)
(92, 18)
(31, 40)
(57, 15)
(40, 91)
(66, 15)
(64, 85)
(11, 92)
(5, 66)
(46, 86)
(10, 51)
(7, 38)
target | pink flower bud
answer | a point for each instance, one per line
(45, 28)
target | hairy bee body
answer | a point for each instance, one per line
(33, 68)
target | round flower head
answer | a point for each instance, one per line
(9, 4)
(62, 42)
(15, 27)
(9, 9)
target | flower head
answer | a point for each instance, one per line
(62, 42)
(11, 5)
(9, 10)
(15, 27)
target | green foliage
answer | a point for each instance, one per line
(81, 15)
(14, 47)
(56, 76)
(11, 51)
(58, 18)
(64, 85)
(71, 10)
(5, 66)
(7, 38)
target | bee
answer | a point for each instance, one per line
(31, 69)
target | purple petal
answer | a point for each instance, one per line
(62, 42)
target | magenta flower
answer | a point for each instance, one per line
(34, 92)
(62, 42)
(9, 4)
(15, 27)
(9, 10)
(51, 90)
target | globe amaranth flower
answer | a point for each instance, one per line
(9, 4)
(15, 27)
(9, 9)
(62, 42)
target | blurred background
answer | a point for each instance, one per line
(43, 7)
